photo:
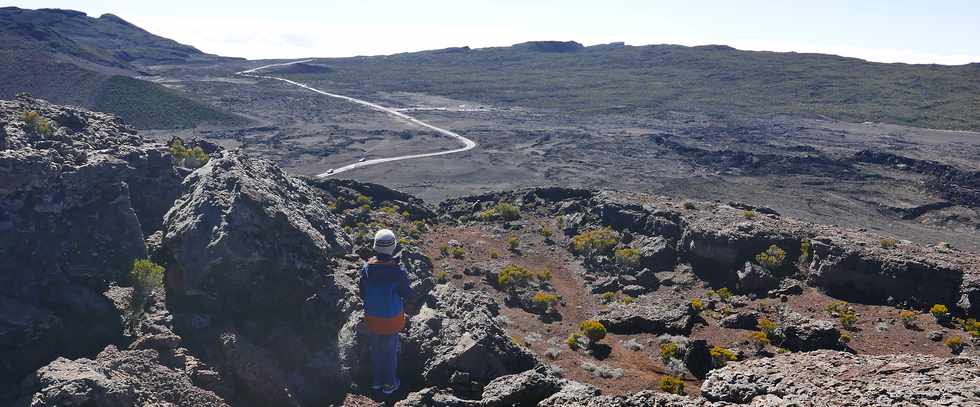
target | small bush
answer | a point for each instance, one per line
(955, 344)
(546, 233)
(441, 277)
(848, 319)
(971, 326)
(544, 299)
(941, 312)
(609, 296)
(845, 338)
(513, 243)
(595, 241)
(627, 299)
(908, 318)
(749, 215)
(543, 276)
(36, 123)
(672, 384)
(697, 305)
(772, 258)
(628, 257)
(804, 252)
(494, 255)
(363, 200)
(594, 330)
(444, 251)
(507, 211)
(188, 157)
(668, 351)
(724, 294)
(888, 243)
(721, 356)
(457, 252)
(390, 210)
(767, 326)
(574, 341)
(513, 274)
(145, 277)
(759, 340)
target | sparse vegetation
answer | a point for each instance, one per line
(749, 214)
(888, 243)
(628, 257)
(457, 252)
(187, 157)
(955, 344)
(721, 356)
(759, 340)
(594, 330)
(804, 252)
(494, 255)
(908, 318)
(941, 313)
(513, 274)
(544, 299)
(669, 350)
(672, 384)
(36, 123)
(574, 340)
(724, 294)
(697, 305)
(845, 338)
(608, 297)
(595, 241)
(444, 250)
(145, 276)
(844, 313)
(773, 258)
(513, 243)
(767, 326)
(502, 210)
(441, 277)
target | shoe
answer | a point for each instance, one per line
(391, 388)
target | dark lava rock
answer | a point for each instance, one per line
(697, 358)
(456, 332)
(800, 333)
(118, 379)
(75, 203)
(824, 378)
(741, 320)
(652, 316)
(656, 253)
(247, 236)
(753, 278)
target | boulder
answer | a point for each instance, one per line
(742, 320)
(648, 316)
(456, 331)
(522, 389)
(116, 378)
(800, 333)
(837, 378)
(247, 237)
(697, 357)
(656, 253)
(753, 278)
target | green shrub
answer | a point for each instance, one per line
(36, 123)
(672, 384)
(513, 243)
(513, 274)
(543, 276)
(388, 209)
(494, 255)
(188, 157)
(749, 215)
(759, 340)
(773, 258)
(546, 233)
(845, 338)
(955, 344)
(767, 326)
(594, 330)
(609, 296)
(457, 252)
(544, 299)
(627, 299)
(848, 319)
(941, 312)
(669, 350)
(804, 252)
(363, 200)
(441, 277)
(444, 250)
(724, 294)
(721, 356)
(908, 318)
(697, 305)
(574, 340)
(888, 243)
(501, 210)
(595, 241)
(145, 276)
(628, 257)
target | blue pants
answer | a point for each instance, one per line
(384, 358)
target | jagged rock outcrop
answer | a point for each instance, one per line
(247, 236)
(521, 389)
(117, 378)
(78, 190)
(799, 333)
(456, 332)
(842, 379)
(647, 315)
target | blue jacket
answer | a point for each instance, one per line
(384, 286)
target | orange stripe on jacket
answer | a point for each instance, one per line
(385, 326)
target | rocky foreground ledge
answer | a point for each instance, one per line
(258, 307)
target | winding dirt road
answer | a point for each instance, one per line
(467, 143)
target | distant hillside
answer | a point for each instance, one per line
(67, 57)
(658, 78)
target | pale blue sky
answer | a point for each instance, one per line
(941, 31)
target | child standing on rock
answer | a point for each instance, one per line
(384, 287)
